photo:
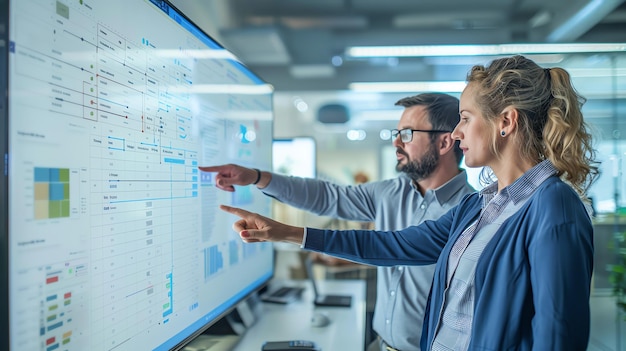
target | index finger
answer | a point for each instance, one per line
(210, 168)
(236, 211)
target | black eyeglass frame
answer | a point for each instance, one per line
(407, 133)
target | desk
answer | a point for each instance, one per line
(293, 321)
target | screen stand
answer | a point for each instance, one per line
(242, 317)
(226, 332)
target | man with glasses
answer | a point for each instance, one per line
(430, 184)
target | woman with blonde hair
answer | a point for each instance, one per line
(513, 261)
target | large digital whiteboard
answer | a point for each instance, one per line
(115, 238)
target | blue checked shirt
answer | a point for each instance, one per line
(455, 321)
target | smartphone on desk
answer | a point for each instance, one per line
(301, 345)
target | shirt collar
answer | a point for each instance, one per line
(524, 186)
(447, 190)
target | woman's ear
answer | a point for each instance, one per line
(508, 121)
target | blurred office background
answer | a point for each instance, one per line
(321, 58)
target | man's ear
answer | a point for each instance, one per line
(446, 143)
(507, 123)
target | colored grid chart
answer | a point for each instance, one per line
(63, 300)
(52, 192)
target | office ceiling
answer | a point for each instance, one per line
(299, 45)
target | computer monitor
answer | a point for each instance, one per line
(112, 239)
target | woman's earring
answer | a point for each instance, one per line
(503, 133)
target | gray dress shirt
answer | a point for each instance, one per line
(391, 204)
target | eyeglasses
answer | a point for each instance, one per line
(406, 135)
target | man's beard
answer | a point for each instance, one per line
(422, 168)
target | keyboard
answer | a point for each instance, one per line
(333, 300)
(284, 294)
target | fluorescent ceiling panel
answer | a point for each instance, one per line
(398, 87)
(479, 50)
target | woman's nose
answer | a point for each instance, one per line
(456, 134)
